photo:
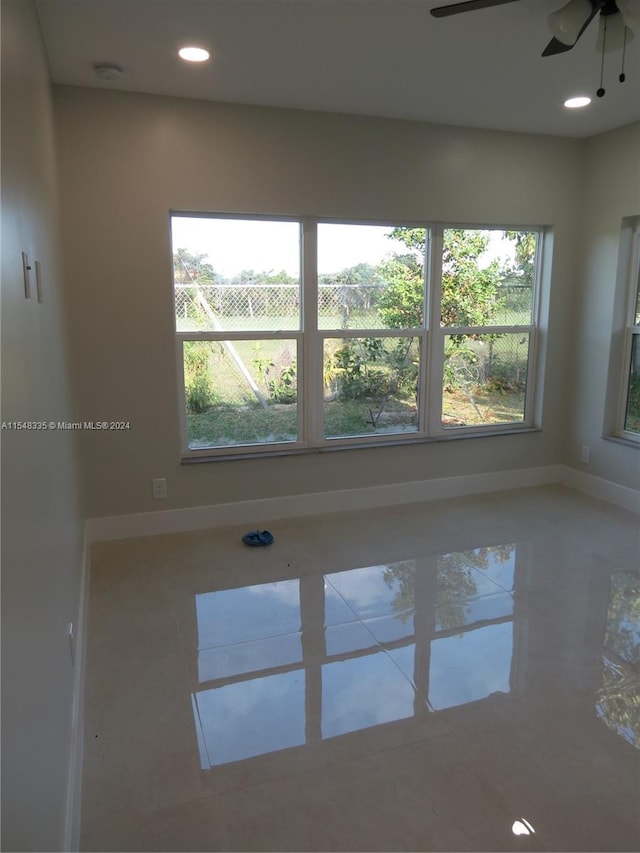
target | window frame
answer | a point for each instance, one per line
(631, 330)
(310, 342)
(440, 332)
(297, 334)
(319, 335)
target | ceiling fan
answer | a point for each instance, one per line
(568, 23)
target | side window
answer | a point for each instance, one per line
(630, 402)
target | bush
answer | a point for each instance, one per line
(632, 420)
(279, 378)
(199, 395)
(283, 389)
(356, 374)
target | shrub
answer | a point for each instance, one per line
(199, 395)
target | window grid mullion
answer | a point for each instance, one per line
(435, 354)
(312, 375)
(486, 330)
(630, 334)
(534, 337)
(182, 415)
(249, 335)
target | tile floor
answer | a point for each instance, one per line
(412, 678)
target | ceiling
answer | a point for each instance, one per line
(386, 58)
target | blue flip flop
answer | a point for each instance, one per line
(257, 537)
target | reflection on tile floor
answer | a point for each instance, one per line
(455, 675)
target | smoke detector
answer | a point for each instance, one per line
(108, 71)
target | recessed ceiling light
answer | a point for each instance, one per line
(193, 54)
(522, 827)
(576, 103)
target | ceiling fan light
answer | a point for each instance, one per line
(630, 10)
(615, 33)
(566, 23)
(578, 102)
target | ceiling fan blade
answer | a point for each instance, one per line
(467, 6)
(557, 46)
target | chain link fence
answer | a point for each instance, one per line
(270, 306)
(214, 307)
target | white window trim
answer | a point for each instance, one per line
(309, 342)
(438, 334)
(629, 331)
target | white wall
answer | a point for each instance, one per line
(41, 515)
(127, 159)
(611, 193)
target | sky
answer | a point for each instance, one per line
(232, 245)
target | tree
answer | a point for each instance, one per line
(190, 272)
(401, 305)
(525, 255)
(456, 582)
(354, 288)
(470, 295)
(191, 268)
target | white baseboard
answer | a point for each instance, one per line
(76, 751)
(621, 496)
(257, 512)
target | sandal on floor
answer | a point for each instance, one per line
(258, 537)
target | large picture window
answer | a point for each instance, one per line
(295, 334)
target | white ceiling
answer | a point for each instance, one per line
(369, 57)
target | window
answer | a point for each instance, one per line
(296, 333)
(629, 410)
(486, 326)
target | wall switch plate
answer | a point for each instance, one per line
(585, 454)
(159, 486)
(39, 282)
(25, 275)
(72, 642)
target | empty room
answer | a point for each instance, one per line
(320, 425)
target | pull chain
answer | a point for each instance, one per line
(623, 76)
(601, 91)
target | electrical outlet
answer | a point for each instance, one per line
(585, 454)
(159, 486)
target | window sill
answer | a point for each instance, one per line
(338, 447)
(619, 439)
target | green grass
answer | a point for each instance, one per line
(491, 407)
(284, 323)
(327, 322)
(241, 324)
(227, 425)
(632, 417)
(237, 418)
(250, 424)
